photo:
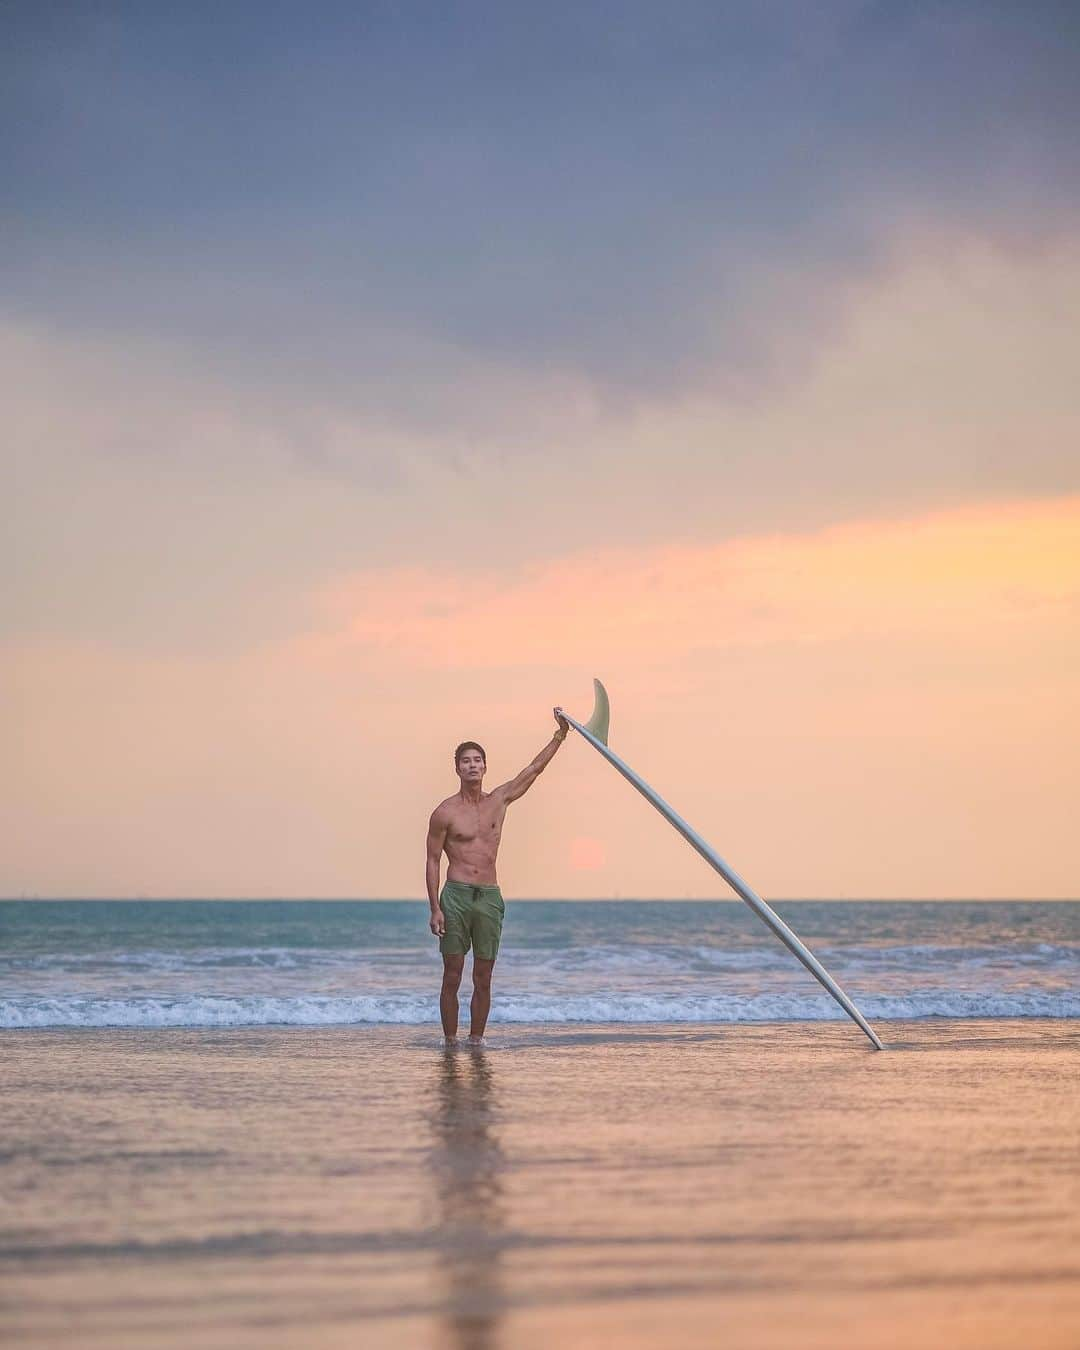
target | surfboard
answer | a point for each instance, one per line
(595, 731)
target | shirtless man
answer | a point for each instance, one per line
(469, 912)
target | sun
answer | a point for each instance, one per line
(587, 855)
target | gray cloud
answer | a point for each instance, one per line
(646, 200)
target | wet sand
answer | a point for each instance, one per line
(757, 1186)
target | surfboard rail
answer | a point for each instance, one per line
(595, 731)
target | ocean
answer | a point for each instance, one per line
(191, 963)
(234, 1126)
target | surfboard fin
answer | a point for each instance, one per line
(601, 713)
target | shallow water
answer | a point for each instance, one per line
(760, 1185)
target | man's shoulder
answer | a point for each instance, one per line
(450, 806)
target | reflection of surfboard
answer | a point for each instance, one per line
(595, 732)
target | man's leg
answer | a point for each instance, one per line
(481, 997)
(448, 999)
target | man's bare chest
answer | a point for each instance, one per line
(483, 824)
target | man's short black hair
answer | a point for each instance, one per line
(468, 745)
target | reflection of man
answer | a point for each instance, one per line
(469, 912)
(467, 1164)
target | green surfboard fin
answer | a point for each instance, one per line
(601, 714)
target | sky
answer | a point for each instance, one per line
(377, 375)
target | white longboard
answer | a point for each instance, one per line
(595, 732)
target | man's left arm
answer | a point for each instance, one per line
(517, 787)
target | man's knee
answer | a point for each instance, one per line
(481, 974)
(453, 966)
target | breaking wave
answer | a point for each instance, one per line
(202, 1010)
(584, 959)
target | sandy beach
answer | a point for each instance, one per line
(758, 1186)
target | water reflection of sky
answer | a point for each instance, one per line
(467, 1164)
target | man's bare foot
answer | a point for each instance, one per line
(477, 1040)
(450, 1041)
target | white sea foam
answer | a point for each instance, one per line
(570, 959)
(257, 1010)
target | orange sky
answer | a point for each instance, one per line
(879, 708)
(950, 575)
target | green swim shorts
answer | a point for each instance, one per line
(474, 918)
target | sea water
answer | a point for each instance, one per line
(190, 963)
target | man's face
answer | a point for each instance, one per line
(471, 767)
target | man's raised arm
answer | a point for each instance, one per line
(518, 786)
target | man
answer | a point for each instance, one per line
(469, 912)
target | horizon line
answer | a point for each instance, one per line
(540, 899)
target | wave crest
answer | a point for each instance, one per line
(391, 1009)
